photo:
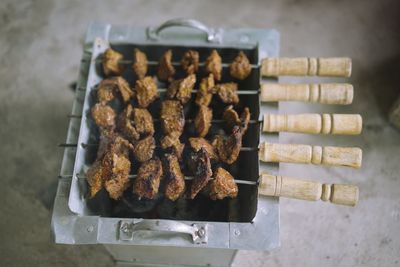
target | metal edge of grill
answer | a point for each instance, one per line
(261, 234)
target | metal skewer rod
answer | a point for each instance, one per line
(92, 145)
(187, 178)
(174, 63)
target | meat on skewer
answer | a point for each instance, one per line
(240, 67)
(202, 122)
(213, 64)
(172, 142)
(104, 116)
(182, 89)
(227, 92)
(139, 63)
(172, 117)
(148, 179)
(223, 185)
(205, 93)
(174, 179)
(166, 70)
(197, 143)
(201, 168)
(146, 91)
(135, 122)
(228, 149)
(111, 66)
(232, 118)
(190, 62)
(143, 149)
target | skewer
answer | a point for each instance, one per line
(92, 145)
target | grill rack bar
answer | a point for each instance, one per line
(187, 178)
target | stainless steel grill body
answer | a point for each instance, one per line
(248, 223)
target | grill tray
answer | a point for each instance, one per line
(247, 222)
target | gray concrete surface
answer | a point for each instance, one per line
(40, 49)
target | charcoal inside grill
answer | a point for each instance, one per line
(202, 208)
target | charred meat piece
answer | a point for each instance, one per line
(148, 179)
(112, 166)
(139, 63)
(103, 115)
(108, 88)
(204, 95)
(134, 122)
(171, 141)
(182, 89)
(223, 185)
(175, 181)
(166, 70)
(111, 66)
(228, 149)
(146, 91)
(198, 143)
(213, 65)
(227, 92)
(240, 67)
(190, 61)
(202, 122)
(232, 118)
(172, 117)
(143, 150)
(200, 166)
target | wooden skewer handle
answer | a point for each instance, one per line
(302, 66)
(281, 186)
(325, 93)
(346, 124)
(306, 154)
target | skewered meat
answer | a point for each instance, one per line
(134, 122)
(146, 91)
(213, 64)
(201, 168)
(232, 118)
(112, 166)
(108, 88)
(111, 66)
(227, 92)
(182, 89)
(198, 143)
(103, 115)
(172, 117)
(175, 181)
(202, 122)
(223, 185)
(240, 67)
(228, 149)
(172, 141)
(139, 63)
(204, 95)
(165, 70)
(148, 179)
(190, 61)
(143, 150)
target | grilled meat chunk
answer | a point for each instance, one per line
(108, 88)
(223, 185)
(213, 65)
(232, 118)
(111, 66)
(103, 115)
(240, 67)
(204, 95)
(166, 70)
(202, 122)
(146, 91)
(228, 149)
(227, 92)
(190, 61)
(148, 179)
(172, 117)
(197, 143)
(171, 141)
(175, 181)
(134, 122)
(112, 166)
(200, 166)
(182, 89)
(139, 63)
(143, 149)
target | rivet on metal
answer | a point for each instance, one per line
(237, 232)
(90, 228)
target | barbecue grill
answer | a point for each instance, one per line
(162, 232)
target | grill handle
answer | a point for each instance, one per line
(306, 154)
(213, 36)
(281, 186)
(197, 232)
(313, 123)
(323, 93)
(303, 66)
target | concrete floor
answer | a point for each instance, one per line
(35, 99)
